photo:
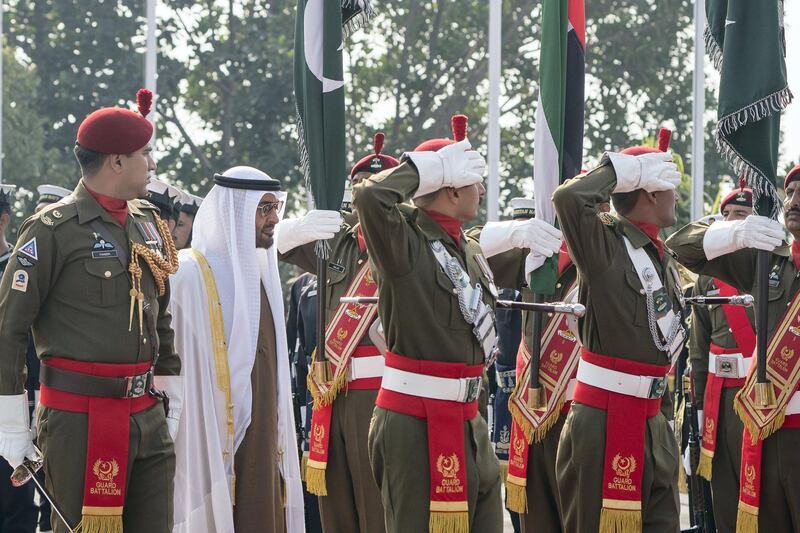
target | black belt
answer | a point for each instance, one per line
(100, 386)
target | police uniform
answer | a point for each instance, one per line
(617, 465)
(101, 336)
(338, 469)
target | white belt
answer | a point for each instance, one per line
(628, 384)
(729, 365)
(571, 389)
(366, 367)
(793, 407)
(451, 389)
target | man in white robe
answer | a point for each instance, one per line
(237, 461)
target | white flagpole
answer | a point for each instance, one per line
(150, 61)
(493, 188)
(698, 110)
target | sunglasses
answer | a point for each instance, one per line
(268, 207)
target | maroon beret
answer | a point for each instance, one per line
(114, 130)
(793, 175)
(375, 162)
(459, 126)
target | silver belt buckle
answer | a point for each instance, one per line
(658, 386)
(473, 389)
(726, 366)
(137, 386)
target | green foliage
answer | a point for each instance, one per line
(225, 80)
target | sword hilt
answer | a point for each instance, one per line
(578, 310)
(744, 300)
(363, 300)
(24, 472)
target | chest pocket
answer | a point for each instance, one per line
(106, 282)
(445, 303)
(634, 298)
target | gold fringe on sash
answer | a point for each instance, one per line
(315, 480)
(757, 433)
(303, 466)
(100, 524)
(448, 522)
(620, 521)
(516, 497)
(746, 519)
(532, 434)
(704, 466)
(324, 398)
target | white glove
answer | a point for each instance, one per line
(651, 172)
(755, 231)
(173, 387)
(314, 226)
(687, 462)
(456, 165)
(16, 438)
(700, 419)
(539, 236)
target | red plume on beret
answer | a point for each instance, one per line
(664, 136)
(115, 130)
(375, 162)
(458, 123)
(144, 99)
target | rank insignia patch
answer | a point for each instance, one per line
(30, 249)
(20, 282)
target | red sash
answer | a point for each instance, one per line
(107, 442)
(343, 335)
(449, 512)
(783, 372)
(624, 442)
(558, 365)
(319, 440)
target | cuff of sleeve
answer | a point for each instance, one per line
(496, 238)
(430, 171)
(173, 387)
(284, 240)
(717, 240)
(628, 171)
(14, 414)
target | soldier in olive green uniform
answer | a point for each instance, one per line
(349, 498)
(617, 458)
(710, 337)
(101, 335)
(727, 250)
(429, 449)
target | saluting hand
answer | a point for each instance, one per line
(317, 225)
(755, 231)
(651, 172)
(456, 165)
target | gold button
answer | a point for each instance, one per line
(641, 291)
(558, 285)
(360, 261)
(107, 273)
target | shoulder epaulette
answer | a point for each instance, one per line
(607, 219)
(143, 204)
(56, 214)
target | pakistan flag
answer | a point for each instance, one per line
(320, 28)
(745, 40)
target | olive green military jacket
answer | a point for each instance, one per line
(616, 322)
(419, 308)
(74, 293)
(739, 269)
(709, 325)
(344, 263)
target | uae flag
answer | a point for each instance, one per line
(320, 28)
(558, 140)
(746, 43)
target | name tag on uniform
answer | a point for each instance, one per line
(104, 254)
(336, 267)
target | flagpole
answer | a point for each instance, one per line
(493, 188)
(150, 62)
(2, 58)
(698, 110)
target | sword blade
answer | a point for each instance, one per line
(49, 497)
(744, 300)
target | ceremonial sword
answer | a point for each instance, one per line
(27, 472)
(745, 300)
(551, 307)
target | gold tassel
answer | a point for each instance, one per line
(746, 522)
(448, 522)
(620, 521)
(516, 498)
(303, 466)
(757, 433)
(315, 481)
(704, 466)
(100, 524)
